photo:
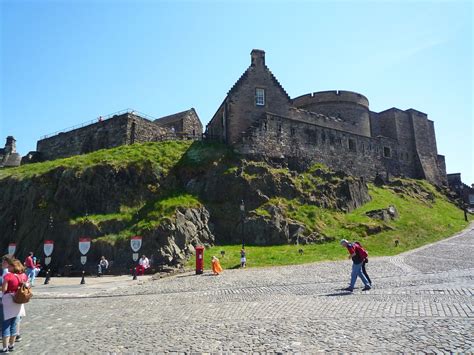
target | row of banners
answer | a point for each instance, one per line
(84, 246)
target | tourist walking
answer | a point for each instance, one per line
(366, 260)
(357, 254)
(30, 268)
(11, 311)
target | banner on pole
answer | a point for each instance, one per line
(83, 259)
(135, 256)
(136, 243)
(11, 248)
(48, 247)
(47, 260)
(84, 245)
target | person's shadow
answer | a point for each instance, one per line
(340, 293)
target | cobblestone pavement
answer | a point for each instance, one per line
(422, 301)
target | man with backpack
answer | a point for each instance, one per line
(358, 256)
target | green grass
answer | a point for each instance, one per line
(420, 222)
(277, 255)
(162, 155)
(154, 213)
(139, 220)
(126, 215)
(202, 154)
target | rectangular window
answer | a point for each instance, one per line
(352, 145)
(260, 97)
(386, 152)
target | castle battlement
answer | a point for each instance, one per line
(331, 96)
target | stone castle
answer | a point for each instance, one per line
(336, 128)
(259, 119)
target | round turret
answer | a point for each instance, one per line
(351, 107)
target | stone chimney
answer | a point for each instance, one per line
(258, 57)
(10, 145)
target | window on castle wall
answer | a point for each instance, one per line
(279, 128)
(293, 131)
(386, 152)
(259, 97)
(323, 137)
(352, 145)
(331, 140)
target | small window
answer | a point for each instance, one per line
(293, 131)
(260, 97)
(386, 152)
(331, 139)
(352, 145)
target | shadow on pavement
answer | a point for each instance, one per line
(340, 293)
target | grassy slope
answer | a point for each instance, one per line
(162, 155)
(419, 223)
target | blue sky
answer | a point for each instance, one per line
(67, 62)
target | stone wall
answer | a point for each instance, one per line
(283, 138)
(119, 130)
(425, 144)
(140, 130)
(106, 134)
(192, 125)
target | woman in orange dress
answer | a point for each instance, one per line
(216, 266)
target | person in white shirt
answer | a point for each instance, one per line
(143, 264)
(103, 266)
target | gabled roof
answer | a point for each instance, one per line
(242, 78)
(174, 117)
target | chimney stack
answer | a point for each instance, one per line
(258, 57)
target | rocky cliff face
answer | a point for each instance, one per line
(258, 184)
(91, 201)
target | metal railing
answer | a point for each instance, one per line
(100, 119)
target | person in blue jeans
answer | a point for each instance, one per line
(30, 268)
(358, 255)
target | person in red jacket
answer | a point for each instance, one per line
(358, 255)
(11, 311)
(30, 268)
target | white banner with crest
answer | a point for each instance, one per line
(11, 248)
(48, 247)
(136, 243)
(84, 245)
